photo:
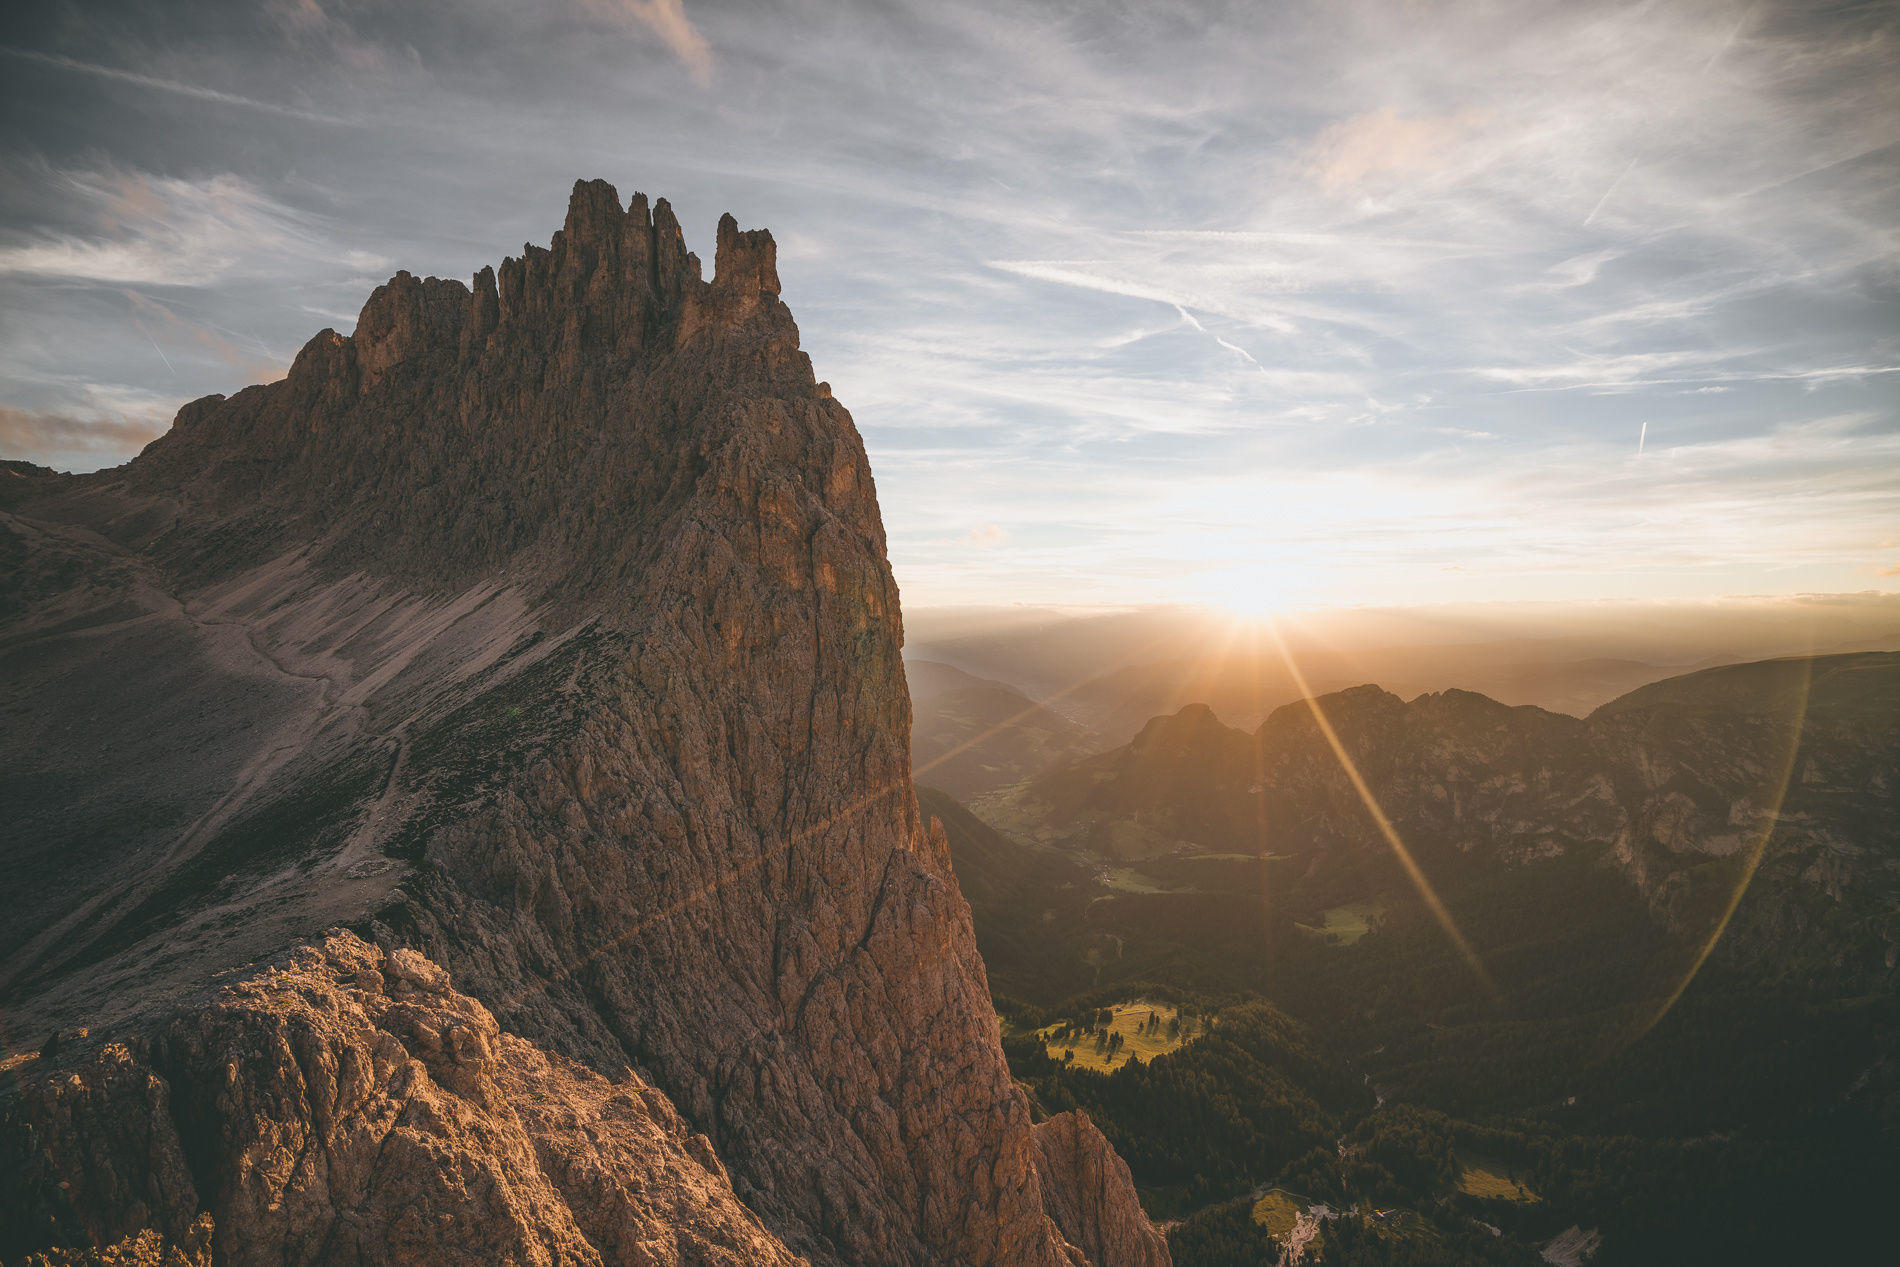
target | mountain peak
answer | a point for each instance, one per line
(745, 267)
(542, 632)
(1192, 725)
(594, 212)
(466, 424)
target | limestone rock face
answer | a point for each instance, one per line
(347, 1106)
(1081, 1178)
(556, 616)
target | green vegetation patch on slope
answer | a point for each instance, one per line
(1212, 1118)
(1129, 880)
(1490, 1179)
(1119, 1033)
(1279, 1213)
(1348, 923)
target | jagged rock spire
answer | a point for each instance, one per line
(584, 673)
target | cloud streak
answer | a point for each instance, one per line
(49, 437)
(135, 227)
(196, 92)
(667, 19)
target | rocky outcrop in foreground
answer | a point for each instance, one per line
(349, 1106)
(1089, 1193)
(540, 633)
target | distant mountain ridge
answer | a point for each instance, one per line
(1800, 757)
(1113, 671)
(970, 735)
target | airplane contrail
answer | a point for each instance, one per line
(1714, 57)
(154, 342)
(196, 91)
(1235, 348)
(1741, 22)
(1606, 194)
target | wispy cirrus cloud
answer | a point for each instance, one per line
(173, 87)
(128, 226)
(57, 438)
(667, 19)
(1390, 302)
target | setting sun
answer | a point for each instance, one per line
(1251, 587)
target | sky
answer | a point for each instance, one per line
(1254, 304)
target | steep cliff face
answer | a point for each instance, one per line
(1090, 1194)
(540, 630)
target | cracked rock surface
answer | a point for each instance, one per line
(349, 1106)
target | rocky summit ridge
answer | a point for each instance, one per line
(461, 814)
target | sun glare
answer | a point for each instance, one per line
(1250, 589)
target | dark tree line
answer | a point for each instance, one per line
(1214, 1117)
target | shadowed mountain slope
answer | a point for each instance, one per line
(1778, 776)
(971, 736)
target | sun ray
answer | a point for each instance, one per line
(1213, 659)
(1384, 824)
(1258, 793)
(769, 852)
(1035, 706)
(1752, 862)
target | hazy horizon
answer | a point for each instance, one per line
(1814, 620)
(1261, 307)
(1211, 656)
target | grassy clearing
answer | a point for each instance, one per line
(1347, 924)
(1129, 880)
(1131, 842)
(1131, 1021)
(1407, 1231)
(1278, 1213)
(1489, 1179)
